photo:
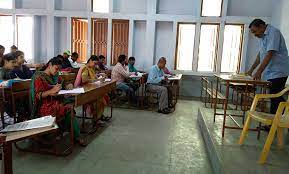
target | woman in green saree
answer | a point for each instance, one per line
(45, 86)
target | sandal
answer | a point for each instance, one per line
(105, 118)
(82, 142)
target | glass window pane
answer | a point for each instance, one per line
(100, 6)
(208, 47)
(185, 51)
(231, 48)
(6, 39)
(211, 7)
(6, 4)
(25, 36)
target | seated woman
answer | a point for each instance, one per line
(44, 88)
(20, 71)
(85, 75)
(9, 64)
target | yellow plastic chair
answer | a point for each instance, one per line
(278, 122)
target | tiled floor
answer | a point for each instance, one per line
(137, 142)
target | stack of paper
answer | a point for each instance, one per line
(47, 121)
(72, 91)
(241, 76)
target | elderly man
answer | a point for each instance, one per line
(272, 60)
(154, 83)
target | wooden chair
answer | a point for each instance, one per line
(278, 122)
(19, 93)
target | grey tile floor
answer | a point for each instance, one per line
(136, 142)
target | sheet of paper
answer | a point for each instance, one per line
(47, 121)
(176, 77)
(72, 91)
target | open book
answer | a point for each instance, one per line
(42, 122)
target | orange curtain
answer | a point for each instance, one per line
(120, 32)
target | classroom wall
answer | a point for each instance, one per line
(164, 43)
(60, 36)
(250, 7)
(179, 7)
(280, 17)
(30, 4)
(40, 45)
(130, 6)
(139, 45)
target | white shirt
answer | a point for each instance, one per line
(73, 64)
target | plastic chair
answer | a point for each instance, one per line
(278, 122)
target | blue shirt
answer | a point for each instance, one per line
(278, 66)
(156, 75)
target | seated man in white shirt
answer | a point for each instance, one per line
(73, 60)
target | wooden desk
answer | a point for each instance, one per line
(228, 79)
(141, 79)
(18, 92)
(176, 81)
(68, 77)
(93, 91)
(12, 137)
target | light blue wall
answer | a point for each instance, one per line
(280, 17)
(164, 43)
(250, 8)
(139, 44)
(179, 7)
(130, 6)
(60, 35)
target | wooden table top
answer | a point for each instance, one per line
(229, 78)
(93, 91)
(20, 135)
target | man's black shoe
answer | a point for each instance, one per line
(165, 111)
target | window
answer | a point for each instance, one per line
(185, 46)
(232, 47)
(208, 47)
(120, 29)
(212, 7)
(25, 37)
(99, 36)
(6, 4)
(100, 6)
(6, 39)
(79, 38)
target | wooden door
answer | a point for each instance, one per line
(99, 37)
(120, 32)
(79, 38)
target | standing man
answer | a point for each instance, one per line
(272, 60)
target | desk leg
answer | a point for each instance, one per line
(7, 158)
(225, 109)
(72, 116)
(215, 101)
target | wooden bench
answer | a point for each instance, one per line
(210, 92)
